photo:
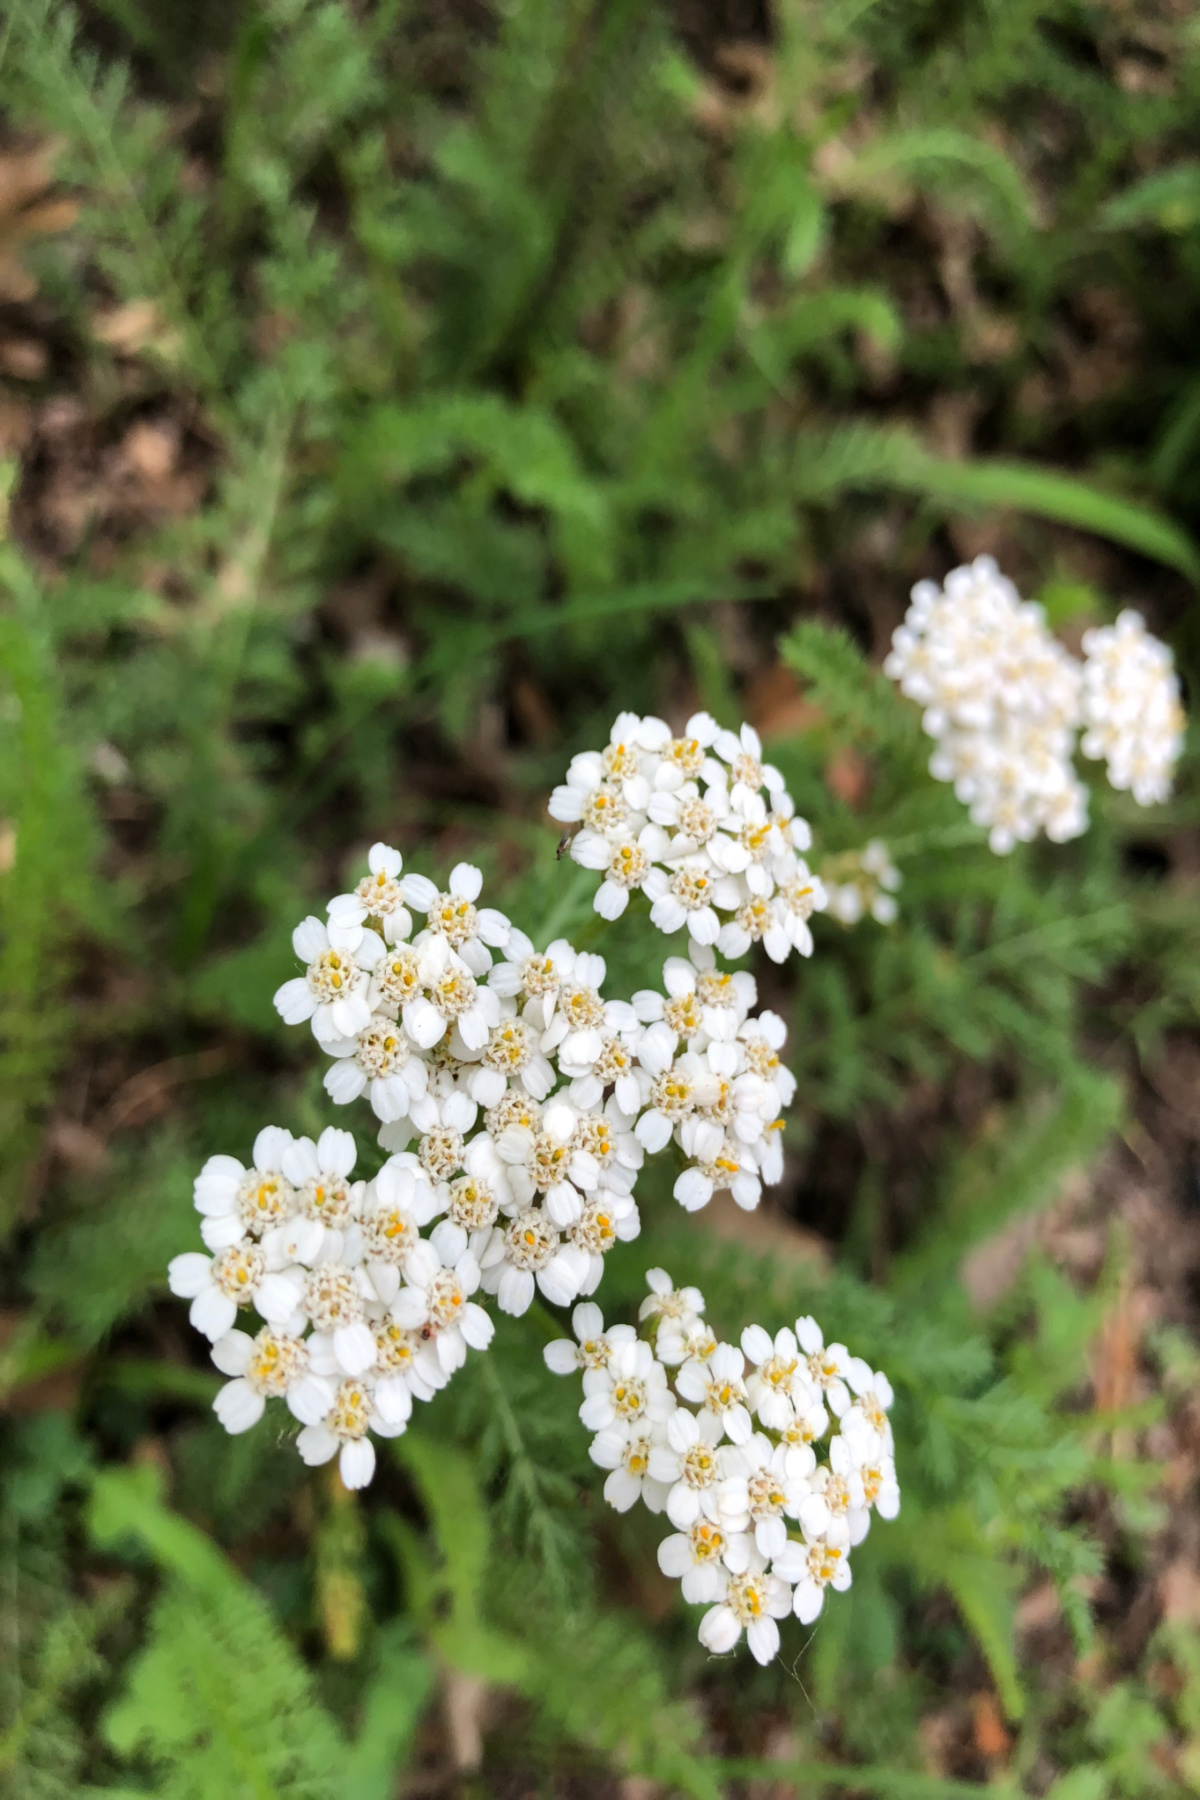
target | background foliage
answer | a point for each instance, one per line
(393, 389)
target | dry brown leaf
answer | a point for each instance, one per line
(991, 1738)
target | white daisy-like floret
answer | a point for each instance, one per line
(743, 751)
(379, 895)
(666, 1301)
(699, 1558)
(724, 1166)
(592, 1345)
(673, 1097)
(396, 1207)
(812, 1567)
(631, 1387)
(828, 1365)
(323, 1196)
(778, 1377)
(716, 1384)
(533, 976)
(764, 1490)
(333, 993)
(692, 1465)
(440, 1275)
(624, 861)
(626, 1455)
(528, 1254)
(511, 1055)
(334, 1296)
(450, 996)
(684, 897)
(759, 1042)
(237, 1202)
(342, 1432)
(752, 1602)
(471, 931)
(218, 1285)
(550, 1162)
(382, 1063)
(866, 1421)
(271, 1364)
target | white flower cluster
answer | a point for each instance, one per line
(724, 1441)
(1006, 701)
(361, 1314)
(1132, 715)
(702, 826)
(1001, 696)
(516, 1108)
(861, 883)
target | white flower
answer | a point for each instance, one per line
(625, 863)
(1001, 696)
(607, 1219)
(333, 1298)
(684, 898)
(526, 1252)
(684, 1340)
(451, 996)
(440, 1275)
(717, 1385)
(343, 1433)
(673, 1096)
(549, 1162)
(726, 1165)
(532, 974)
(273, 1363)
(593, 1345)
(218, 1285)
(774, 1480)
(699, 1557)
(810, 1568)
(323, 1197)
(760, 1040)
(333, 992)
(827, 1366)
(626, 1454)
(471, 931)
(866, 1422)
(692, 1466)
(750, 1602)
(778, 1378)
(629, 1388)
(381, 1063)
(379, 895)
(512, 1054)
(743, 752)
(666, 1301)
(237, 1202)
(1132, 714)
(396, 1207)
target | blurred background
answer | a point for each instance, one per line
(390, 392)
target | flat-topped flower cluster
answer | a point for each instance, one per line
(702, 826)
(516, 1106)
(733, 1444)
(1006, 701)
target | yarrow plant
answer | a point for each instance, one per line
(515, 1105)
(1006, 702)
(733, 1443)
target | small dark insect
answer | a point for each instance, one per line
(563, 843)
